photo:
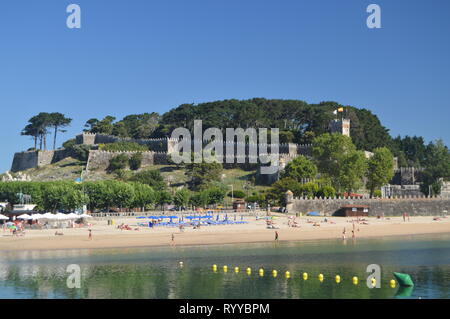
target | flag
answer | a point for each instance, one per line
(341, 109)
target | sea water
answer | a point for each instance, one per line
(157, 272)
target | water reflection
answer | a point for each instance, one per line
(155, 273)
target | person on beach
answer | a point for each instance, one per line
(343, 234)
(172, 243)
(90, 234)
(276, 236)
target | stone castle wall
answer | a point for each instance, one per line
(155, 144)
(33, 159)
(99, 160)
(168, 145)
(419, 205)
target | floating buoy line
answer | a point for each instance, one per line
(321, 278)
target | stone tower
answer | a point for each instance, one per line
(340, 126)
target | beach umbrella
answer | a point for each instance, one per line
(3, 217)
(60, 216)
(24, 216)
(48, 216)
(85, 216)
(36, 216)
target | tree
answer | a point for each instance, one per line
(216, 195)
(276, 193)
(57, 121)
(104, 126)
(200, 199)
(144, 196)
(182, 198)
(38, 129)
(300, 168)
(202, 174)
(163, 198)
(329, 152)
(437, 167)
(351, 172)
(380, 169)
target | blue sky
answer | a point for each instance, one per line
(139, 56)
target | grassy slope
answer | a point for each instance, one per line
(70, 169)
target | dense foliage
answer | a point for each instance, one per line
(123, 147)
(39, 127)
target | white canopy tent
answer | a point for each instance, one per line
(24, 216)
(3, 217)
(49, 216)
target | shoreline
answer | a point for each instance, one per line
(254, 232)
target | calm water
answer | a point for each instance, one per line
(156, 273)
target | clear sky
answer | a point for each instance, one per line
(135, 56)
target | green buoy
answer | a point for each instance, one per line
(403, 279)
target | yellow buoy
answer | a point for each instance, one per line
(338, 279)
(249, 271)
(236, 269)
(261, 272)
(320, 277)
(305, 276)
(274, 273)
(392, 283)
(355, 280)
(288, 274)
(225, 268)
(181, 264)
(374, 282)
(214, 267)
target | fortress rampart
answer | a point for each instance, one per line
(33, 159)
(99, 160)
(395, 206)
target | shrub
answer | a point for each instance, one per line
(377, 193)
(118, 162)
(69, 143)
(81, 152)
(123, 147)
(326, 191)
(135, 161)
(237, 194)
(152, 178)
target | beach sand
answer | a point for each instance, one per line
(108, 236)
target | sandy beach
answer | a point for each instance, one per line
(109, 236)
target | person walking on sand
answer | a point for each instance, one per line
(173, 240)
(276, 236)
(343, 234)
(90, 234)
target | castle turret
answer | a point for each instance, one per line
(341, 126)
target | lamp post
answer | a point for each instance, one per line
(232, 196)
